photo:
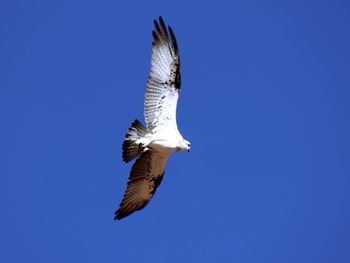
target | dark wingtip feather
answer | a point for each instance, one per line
(162, 26)
(173, 39)
(156, 25)
(164, 34)
(116, 216)
(119, 215)
(124, 212)
(160, 32)
(155, 36)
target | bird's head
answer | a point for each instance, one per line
(186, 145)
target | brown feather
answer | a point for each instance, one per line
(141, 186)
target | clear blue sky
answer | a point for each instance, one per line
(265, 103)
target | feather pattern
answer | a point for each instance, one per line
(163, 85)
(145, 176)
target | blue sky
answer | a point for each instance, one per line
(264, 102)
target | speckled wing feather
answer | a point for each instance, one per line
(145, 176)
(163, 85)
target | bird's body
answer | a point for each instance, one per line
(153, 144)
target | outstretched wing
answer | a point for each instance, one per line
(145, 176)
(163, 85)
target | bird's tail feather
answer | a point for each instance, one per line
(132, 149)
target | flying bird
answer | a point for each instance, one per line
(153, 144)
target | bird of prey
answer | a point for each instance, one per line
(153, 144)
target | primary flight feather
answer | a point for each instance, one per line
(153, 144)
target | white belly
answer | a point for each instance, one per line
(166, 139)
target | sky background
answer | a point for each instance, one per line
(265, 103)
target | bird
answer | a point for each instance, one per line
(153, 144)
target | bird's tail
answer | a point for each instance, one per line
(131, 148)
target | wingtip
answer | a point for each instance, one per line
(117, 218)
(117, 215)
(155, 37)
(155, 22)
(173, 40)
(161, 20)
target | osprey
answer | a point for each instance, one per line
(153, 144)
